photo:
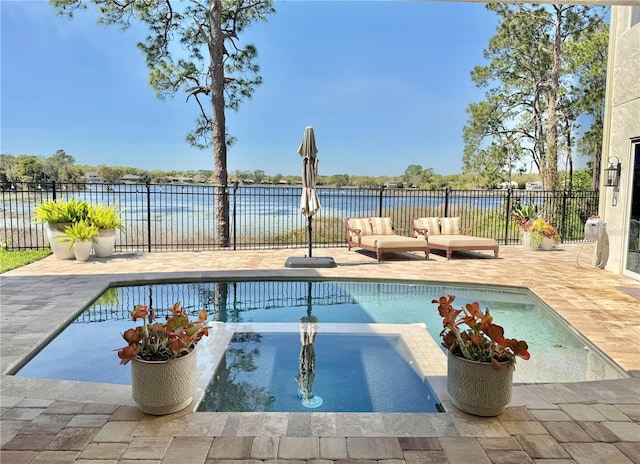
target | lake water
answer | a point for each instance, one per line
(257, 210)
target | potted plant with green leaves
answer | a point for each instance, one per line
(107, 218)
(480, 360)
(79, 236)
(57, 215)
(524, 217)
(163, 359)
(543, 235)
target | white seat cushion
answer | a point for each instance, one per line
(393, 242)
(360, 223)
(450, 225)
(458, 240)
(431, 224)
(381, 226)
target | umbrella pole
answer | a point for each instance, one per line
(309, 218)
(309, 306)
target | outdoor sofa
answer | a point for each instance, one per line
(446, 234)
(377, 234)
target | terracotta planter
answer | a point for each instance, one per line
(104, 243)
(82, 249)
(476, 388)
(164, 387)
(60, 249)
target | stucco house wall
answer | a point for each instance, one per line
(621, 126)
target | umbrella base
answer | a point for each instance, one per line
(309, 262)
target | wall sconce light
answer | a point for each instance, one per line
(612, 173)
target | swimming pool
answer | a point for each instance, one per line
(558, 352)
(341, 372)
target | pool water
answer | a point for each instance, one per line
(558, 352)
(352, 373)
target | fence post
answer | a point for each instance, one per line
(563, 224)
(446, 201)
(148, 185)
(235, 189)
(507, 215)
(53, 187)
(380, 202)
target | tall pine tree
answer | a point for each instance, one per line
(214, 69)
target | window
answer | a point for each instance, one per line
(633, 245)
(635, 16)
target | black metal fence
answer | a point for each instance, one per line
(181, 217)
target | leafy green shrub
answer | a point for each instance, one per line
(105, 217)
(56, 212)
(81, 230)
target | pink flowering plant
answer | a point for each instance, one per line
(157, 341)
(481, 340)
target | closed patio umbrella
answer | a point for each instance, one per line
(309, 201)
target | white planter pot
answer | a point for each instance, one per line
(476, 388)
(527, 242)
(163, 387)
(104, 243)
(60, 249)
(82, 249)
(547, 244)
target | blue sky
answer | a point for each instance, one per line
(384, 84)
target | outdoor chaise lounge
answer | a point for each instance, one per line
(378, 235)
(446, 234)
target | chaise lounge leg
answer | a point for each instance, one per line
(495, 254)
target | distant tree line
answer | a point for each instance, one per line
(61, 167)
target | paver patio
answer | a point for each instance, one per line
(61, 421)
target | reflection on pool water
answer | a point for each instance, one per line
(337, 372)
(84, 350)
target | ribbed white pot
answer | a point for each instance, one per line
(164, 387)
(60, 249)
(547, 244)
(476, 388)
(82, 249)
(527, 241)
(104, 243)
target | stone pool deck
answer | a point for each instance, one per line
(45, 421)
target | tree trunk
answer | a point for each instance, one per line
(549, 172)
(218, 123)
(569, 155)
(597, 159)
(539, 152)
(550, 163)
